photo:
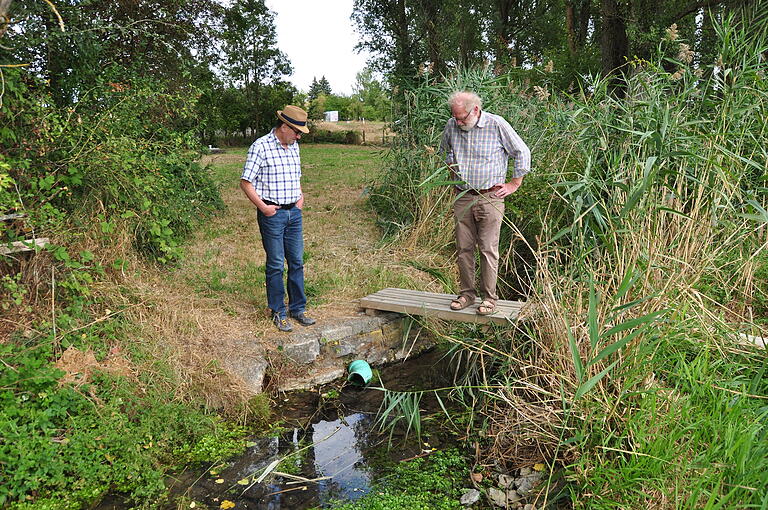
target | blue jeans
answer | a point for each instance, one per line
(283, 240)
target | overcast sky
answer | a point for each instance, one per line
(318, 38)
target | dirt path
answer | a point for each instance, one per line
(216, 301)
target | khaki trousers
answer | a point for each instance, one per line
(478, 223)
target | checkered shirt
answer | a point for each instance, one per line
(274, 170)
(482, 153)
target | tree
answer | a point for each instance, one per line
(387, 32)
(371, 96)
(582, 36)
(324, 86)
(319, 87)
(250, 47)
(162, 38)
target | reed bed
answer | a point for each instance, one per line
(639, 239)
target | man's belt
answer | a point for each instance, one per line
(282, 206)
(478, 191)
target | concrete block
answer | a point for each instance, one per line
(303, 347)
(248, 364)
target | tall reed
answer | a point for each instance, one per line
(646, 216)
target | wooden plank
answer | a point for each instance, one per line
(421, 295)
(501, 308)
(28, 245)
(438, 300)
(431, 304)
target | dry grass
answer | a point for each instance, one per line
(205, 311)
(374, 132)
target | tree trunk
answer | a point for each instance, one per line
(614, 44)
(570, 27)
(430, 13)
(404, 64)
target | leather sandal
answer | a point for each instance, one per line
(487, 307)
(461, 303)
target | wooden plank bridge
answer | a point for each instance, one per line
(431, 304)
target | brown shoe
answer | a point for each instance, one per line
(461, 302)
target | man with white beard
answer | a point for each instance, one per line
(477, 147)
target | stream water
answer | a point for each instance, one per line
(332, 440)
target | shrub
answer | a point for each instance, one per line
(123, 155)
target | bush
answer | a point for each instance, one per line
(119, 164)
(60, 440)
(349, 137)
(123, 156)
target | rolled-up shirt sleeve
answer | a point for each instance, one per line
(446, 148)
(516, 148)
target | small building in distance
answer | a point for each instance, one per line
(332, 116)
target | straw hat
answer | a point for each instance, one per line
(294, 116)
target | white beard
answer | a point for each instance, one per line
(468, 127)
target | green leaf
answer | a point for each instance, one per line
(629, 279)
(594, 333)
(575, 355)
(617, 345)
(632, 323)
(584, 388)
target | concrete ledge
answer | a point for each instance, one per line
(377, 339)
(319, 354)
(248, 363)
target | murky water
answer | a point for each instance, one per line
(329, 444)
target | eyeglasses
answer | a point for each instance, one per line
(295, 131)
(464, 119)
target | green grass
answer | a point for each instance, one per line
(697, 437)
(430, 483)
(323, 164)
(330, 165)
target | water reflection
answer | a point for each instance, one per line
(341, 458)
(328, 448)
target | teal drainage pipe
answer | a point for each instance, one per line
(359, 372)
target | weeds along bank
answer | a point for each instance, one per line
(88, 404)
(644, 227)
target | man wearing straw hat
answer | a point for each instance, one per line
(477, 147)
(271, 180)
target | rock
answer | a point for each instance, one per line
(512, 496)
(529, 507)
(526, 483)
(326, 349)
(248, 365)
(525, 471)
(497, 497)
(470, 497)
(301, 347)
(505, 481)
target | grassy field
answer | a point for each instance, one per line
(374, 131)
(218, 291)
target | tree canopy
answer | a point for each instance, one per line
(408, 38)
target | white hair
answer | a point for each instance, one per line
(466, 99)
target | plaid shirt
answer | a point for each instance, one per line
(482, 153)
(274, 170)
